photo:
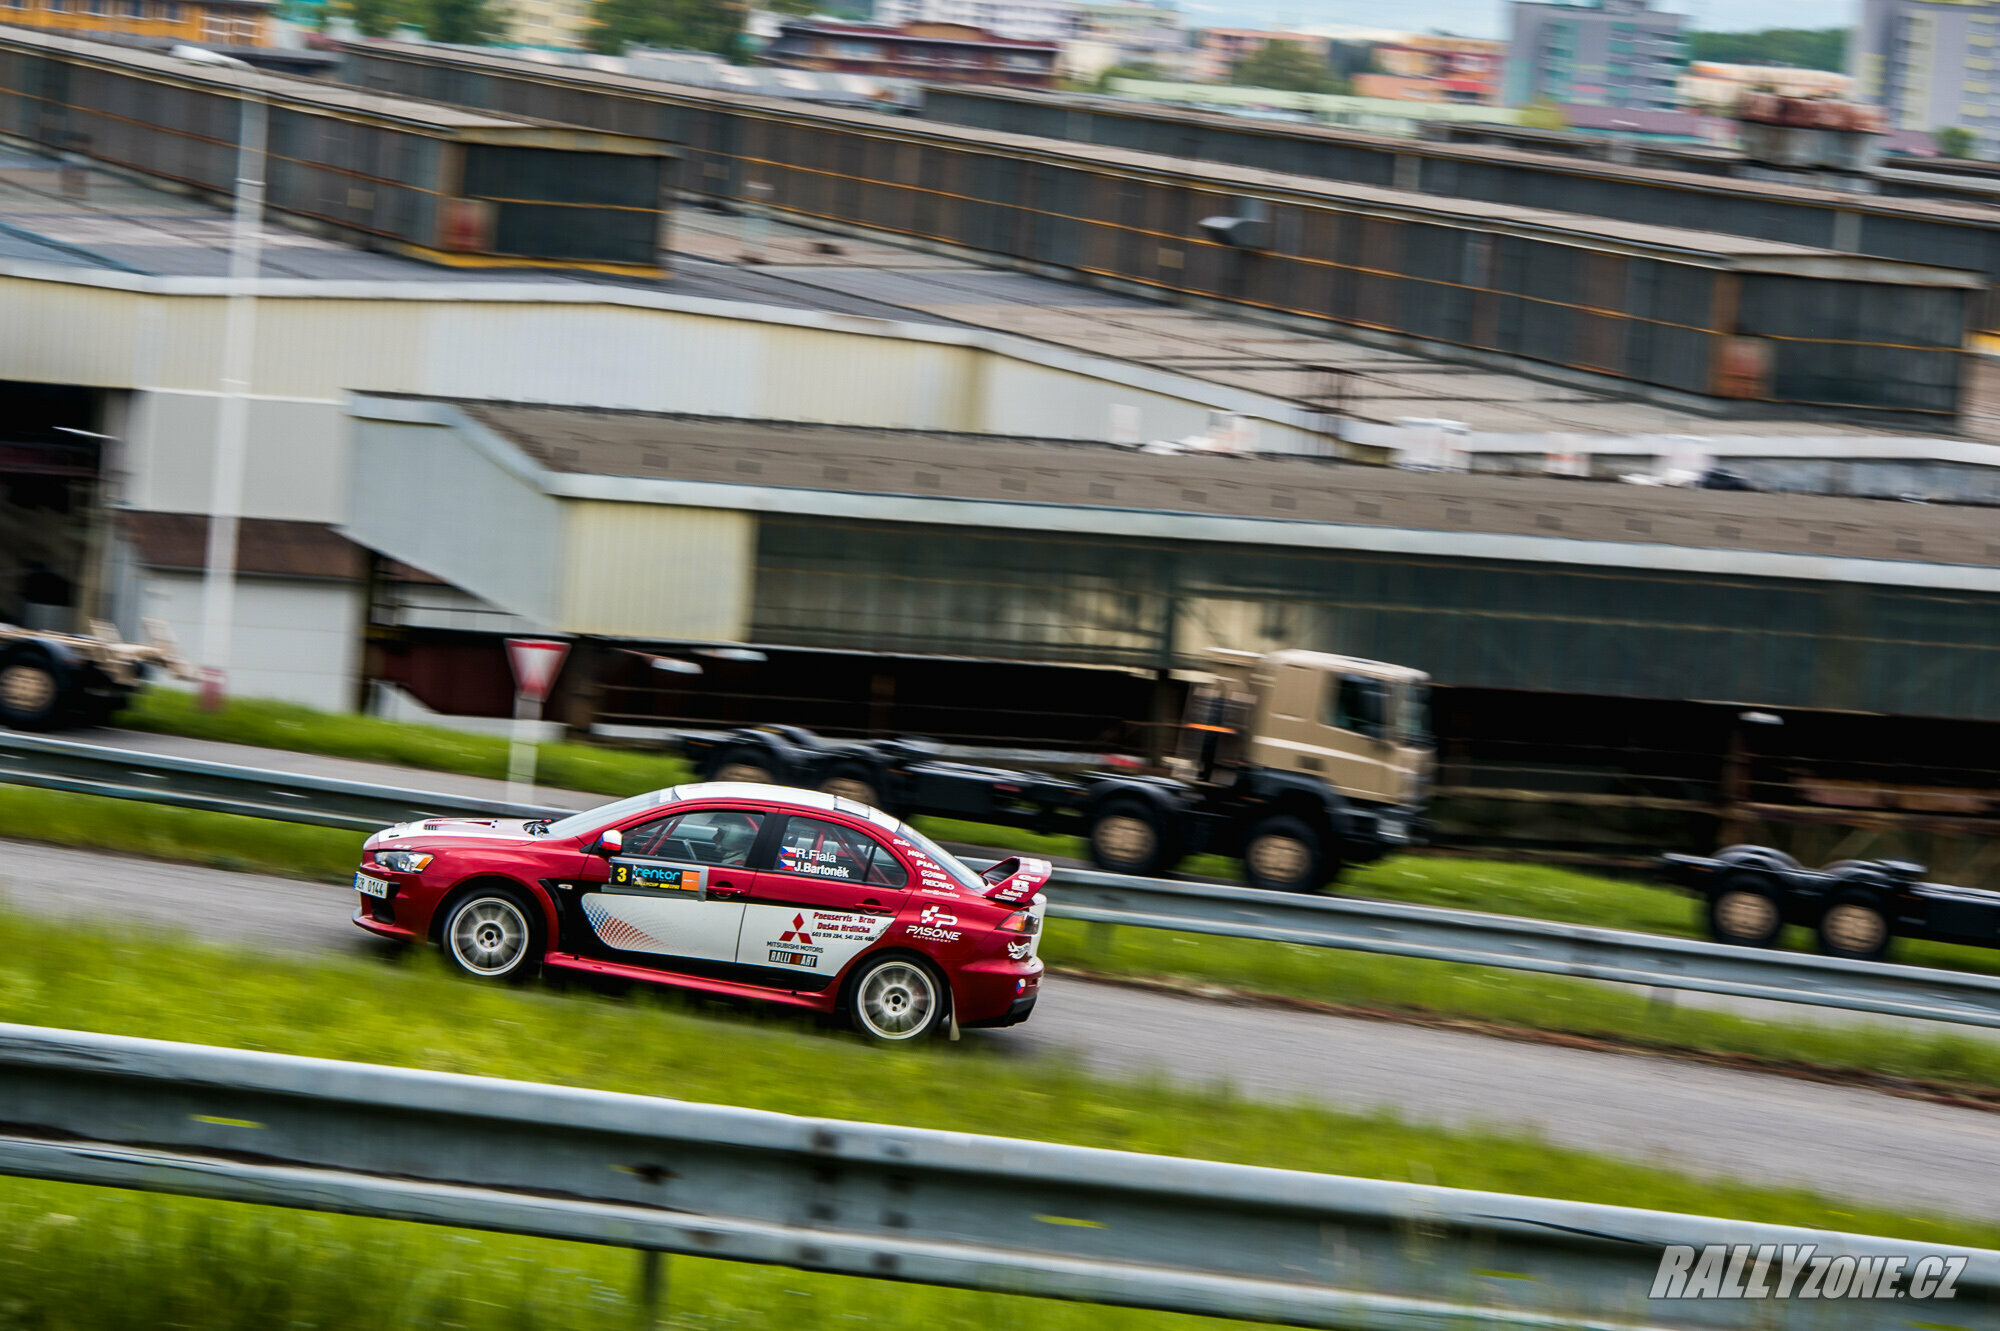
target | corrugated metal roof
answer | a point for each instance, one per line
(840, 460)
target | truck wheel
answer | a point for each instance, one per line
(1761, 855)
(1745, 911)
(1283, 854)
(1856, 926)
(29, 692)
(744, 763)
(1131, 836)
(852, 781)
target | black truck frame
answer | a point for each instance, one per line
(1854, 907)
(1135, 822)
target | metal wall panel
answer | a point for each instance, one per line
(1476, 623)
(650, 571)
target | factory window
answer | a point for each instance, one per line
(135, 8)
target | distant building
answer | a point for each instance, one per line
(1016, 20)
(562, 24)
(1930, 66)
(1216, 50)
(1712, 85)
(935, 52)
(212, 22)
(1621, 53)
(1435, 69)
(1127, 33)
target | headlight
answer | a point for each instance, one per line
(402, 861)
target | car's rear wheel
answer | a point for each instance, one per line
(491, 934)
(896, 1000)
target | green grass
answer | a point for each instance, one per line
(278, 725)
(1399, 986)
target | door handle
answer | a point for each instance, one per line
(727, 890)
(872, 903)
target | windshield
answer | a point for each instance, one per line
(963, 876)
(579, 823)
(1413, 714)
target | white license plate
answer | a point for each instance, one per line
(370, 887)
(1394, 830)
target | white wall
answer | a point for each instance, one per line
(295, 640)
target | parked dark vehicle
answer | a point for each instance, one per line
(1855, 908)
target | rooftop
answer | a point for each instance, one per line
(993, 469)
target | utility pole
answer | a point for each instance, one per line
(239, 333)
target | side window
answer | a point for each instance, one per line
(820, 849)
(709, 836)
(1352, 703)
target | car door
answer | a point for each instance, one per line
(831, 890)
(675, 891)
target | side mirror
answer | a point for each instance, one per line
(609, 843)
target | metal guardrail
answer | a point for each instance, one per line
(937, 1208)
(1435, 933)
(90, 769)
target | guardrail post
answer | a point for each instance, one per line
(652, 1287)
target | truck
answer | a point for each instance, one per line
(1297, 763)
(1855, 908)
(51, 680)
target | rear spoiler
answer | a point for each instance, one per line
(1014, 882)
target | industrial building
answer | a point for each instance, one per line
(216, 22)
(1678, 313)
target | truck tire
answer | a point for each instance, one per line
(1131, 835)
(30, 691)
(1745, 911)
(852, 781)
(1758, 855)
(744, 762)
(1284, 854)
(1856, 925)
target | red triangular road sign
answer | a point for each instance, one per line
(536, 662)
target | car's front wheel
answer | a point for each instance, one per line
(896, 1000)
(491, 934)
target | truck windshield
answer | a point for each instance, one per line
(1413, 714)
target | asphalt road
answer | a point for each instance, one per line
(1749, 1126)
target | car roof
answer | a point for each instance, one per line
(792, 796)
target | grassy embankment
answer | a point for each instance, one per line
(82, 1258)
(1940, 1054)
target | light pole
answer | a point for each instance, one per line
(239, 329)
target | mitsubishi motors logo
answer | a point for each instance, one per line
(797, 933)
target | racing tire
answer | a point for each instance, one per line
(897, 1000)
(1855, 925)
(30, 691)
(1130, 835)
(745, 762)
(1744, 911)
(1284, 854)
(852, 781)
(493, 933)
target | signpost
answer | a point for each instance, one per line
(536, 663)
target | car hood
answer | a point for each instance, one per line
(447, 830)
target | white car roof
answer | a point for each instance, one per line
(756, 790)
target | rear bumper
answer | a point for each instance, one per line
(1016, 1013)
(987, 993)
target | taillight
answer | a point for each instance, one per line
(1021, 922)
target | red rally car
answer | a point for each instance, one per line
(789, 896)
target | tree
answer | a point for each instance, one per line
(673, 25)
(374, 18)
(1953, 141)
(462, 22)
(1137, 70)
(1801, 48)
(1283, 67)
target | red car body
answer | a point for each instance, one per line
(751, 891)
